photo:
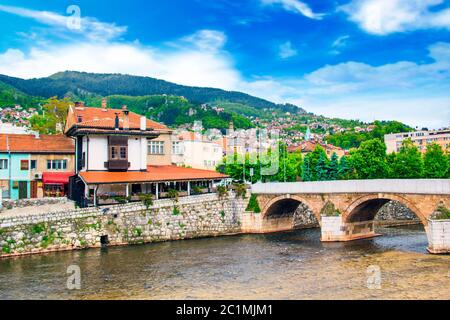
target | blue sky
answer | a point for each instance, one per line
(361, 59)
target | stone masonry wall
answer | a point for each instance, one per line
(394, 212)
(190, 217)
(21, 203)
(304, 218)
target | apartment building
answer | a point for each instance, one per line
(420, 138)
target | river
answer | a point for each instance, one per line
(290, 265)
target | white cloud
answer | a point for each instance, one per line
(207, 40)
(383, 17)
(338, 44)
(286, 50)
(403, 75)
(88, 27)
(186, 66)
(406, 91)
(295, 6)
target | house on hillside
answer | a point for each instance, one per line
(308, 146)
(122, 155)
(34, 166)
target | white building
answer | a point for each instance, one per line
(420, 139)
(194, 150)
(9, 128)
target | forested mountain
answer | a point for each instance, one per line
(11, 96)
(82, 84)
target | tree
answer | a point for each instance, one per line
(435, 162)
(321, 168)
(369, 160)
(407, 163)
(344, 170)
(306, 169)
(314, 157)
(448, 169)
(54, 114)
(333, 167)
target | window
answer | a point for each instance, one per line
(57, 164)
(155, 147)
(114, 155)
(118, 153)
(3, 164)
(24, 164)
(177, 147)
(32, 164)
(123, 153)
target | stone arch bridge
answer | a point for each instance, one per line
(346, 209)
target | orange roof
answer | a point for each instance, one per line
(83, 116)
(153, 174)
(29, 143)
(308, 146)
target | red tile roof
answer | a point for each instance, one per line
(105, 118)
(153, 174)
(29, 143)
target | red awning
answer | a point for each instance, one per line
(56, 177)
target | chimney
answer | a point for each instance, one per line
(79, 105)
(143, 123)
(126, 120)
(104, 104)
(116, 122)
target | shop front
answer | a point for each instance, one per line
(55, 184)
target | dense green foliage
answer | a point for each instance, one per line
(436, 162)
(407, 163)
(10, 96)
(353, 139)
(369, 161)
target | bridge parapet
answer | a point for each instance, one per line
(403, 186)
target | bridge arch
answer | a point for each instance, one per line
(284, 204)
(366, 207)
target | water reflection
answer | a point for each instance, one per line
(291, 265)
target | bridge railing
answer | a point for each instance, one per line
(406, 186)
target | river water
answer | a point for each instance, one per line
(290, 265)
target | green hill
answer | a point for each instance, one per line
(10, 96)
(85, 84)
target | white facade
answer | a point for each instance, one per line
(196, 153)
(10, 128)
(95, 152)
(421, 139)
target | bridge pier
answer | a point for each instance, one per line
(335, 229)
(438, 233)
